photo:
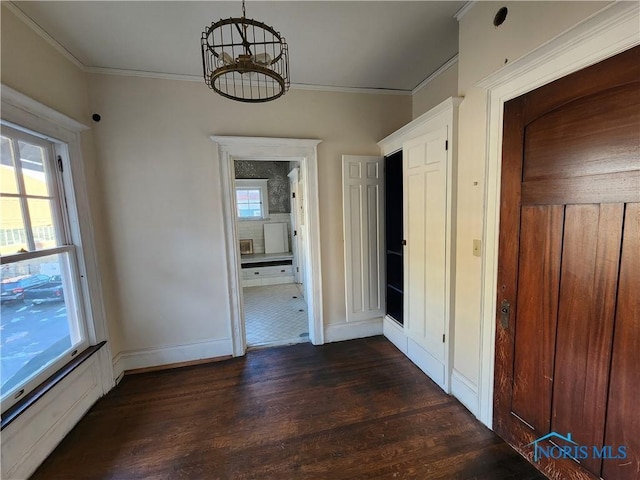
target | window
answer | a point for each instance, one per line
(252, 201)
(43, 325)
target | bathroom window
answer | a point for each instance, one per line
(252, 201)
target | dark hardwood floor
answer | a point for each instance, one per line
(350, 410)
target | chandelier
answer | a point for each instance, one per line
(245, 60)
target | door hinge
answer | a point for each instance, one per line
(295, 233)
(297, 269)
(443, 337)
(60, 167)
(404, 243)
(446, 144)
(293, 194)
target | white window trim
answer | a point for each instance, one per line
(255, 183)
(67, 242)
(22, 113)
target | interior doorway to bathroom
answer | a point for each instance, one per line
(269, 219)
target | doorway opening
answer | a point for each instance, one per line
(269, 218)
(300, 156)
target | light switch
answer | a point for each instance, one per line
(477, 248)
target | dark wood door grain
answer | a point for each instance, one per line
(570, 178)
(343, 411)
(623, 418)
(539, 278)
(590, 259)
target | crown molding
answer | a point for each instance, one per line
(198, 78)
(464, 10)
(448, 64)
(24, 18)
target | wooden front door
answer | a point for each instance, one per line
(568, 322)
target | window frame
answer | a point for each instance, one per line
(260, 184)
(65, 248)
(24, 114)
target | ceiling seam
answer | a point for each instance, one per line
(198, 78)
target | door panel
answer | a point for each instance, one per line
(415, 262)
(426, 207)
(623, 421)
(590, 259)
(566, 142)
(538, 285)
(363, 211)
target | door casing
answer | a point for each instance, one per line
(271, 149)
(612, 31)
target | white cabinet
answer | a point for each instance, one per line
(266, 269)
(429, 167)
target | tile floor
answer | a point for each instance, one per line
(275, 315)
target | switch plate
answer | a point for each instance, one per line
(477, 248)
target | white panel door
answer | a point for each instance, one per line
(426, 236)
(363, 208)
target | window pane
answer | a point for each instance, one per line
(256, 210)
(242, 196)
(41, 214)
(13, 236)
(254, 196)
(38, 321)
(33, 169)
(8, 182)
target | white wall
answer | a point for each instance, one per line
(160, 176)
(483, 50)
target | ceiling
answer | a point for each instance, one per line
(364, 44)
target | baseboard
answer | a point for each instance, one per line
(395, 334)
(30, 438)
(351, 330)
(170, 354)
(429, 364)
(466, 391)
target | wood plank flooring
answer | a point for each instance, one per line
(349, 410)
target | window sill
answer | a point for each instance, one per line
(41, 390)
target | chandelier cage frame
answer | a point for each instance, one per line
(245, 60)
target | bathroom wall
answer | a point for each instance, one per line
(278, 185)
(254, 229)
